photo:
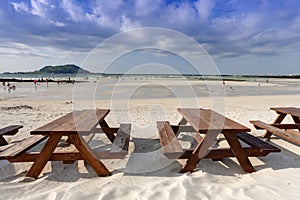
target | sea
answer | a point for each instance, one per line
(145, 86)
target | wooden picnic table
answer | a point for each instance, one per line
(290, 132)
(79, 127)
(210, 123)
(9, 130)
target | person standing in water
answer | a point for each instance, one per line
(35, 87)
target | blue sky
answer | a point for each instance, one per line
(242, 37)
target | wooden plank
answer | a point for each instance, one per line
(3, 141)
(219, 153)
(289, 135)
(193, 160)
(172, 138)
(88, 138)
(108, 130)
(288, 110)
(164, 139)
(47, 128)
(105, 128)
(182, 121)
(121, 141)
(90, 156)
(287, 126)
(10, 130)
(257, 143)
(182, 128)
(70, 140)
(67, 156)
(82, 122)
(197, 137)
(168, 139)
(91, 120)
(278, 120)
(3, 148)
(44, 156)
(239, 152)
(21, 147)
(204, 120)
(297, 121)
(199, 152)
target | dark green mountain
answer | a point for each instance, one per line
(62, 69)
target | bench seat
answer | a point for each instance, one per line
(121, 142)
(290, 135)
(9, 130)
(169, 143)
(21, 147)
(257, 143)
(257, 148)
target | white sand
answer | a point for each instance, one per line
(145, 173)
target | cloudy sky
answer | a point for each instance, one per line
(241, 36)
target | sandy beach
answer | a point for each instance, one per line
(146, 173)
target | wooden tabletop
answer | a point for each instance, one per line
(204, 120)
(83, 122)
(288, 110)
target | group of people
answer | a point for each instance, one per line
(8, 86)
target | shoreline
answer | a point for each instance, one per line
(145, 172)
(12, 80)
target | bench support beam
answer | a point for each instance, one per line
(44, 156)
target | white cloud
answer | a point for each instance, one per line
(225, 28)
(75, 12)
(20, 6)
(147, 7)
(127, 24)
(204, 8)
(39, 7)
(56, 23)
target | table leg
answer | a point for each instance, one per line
(44, 156)
(110, 136)
(2, 141)
(192, 161)
(278, 120)
(239, 152)
(89, 156)
(200, 152)
(296, 120)
(182, 122)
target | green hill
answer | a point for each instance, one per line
(62, 69)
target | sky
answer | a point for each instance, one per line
(239, 36)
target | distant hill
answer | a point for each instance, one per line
(59, 69)
(62, 69)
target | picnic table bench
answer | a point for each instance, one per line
(79, 127)
(9, 130)
(210, 123)
(289, 132)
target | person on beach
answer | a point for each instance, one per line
(35, 87)
(8, 86)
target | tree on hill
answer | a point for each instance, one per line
(63, 69)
